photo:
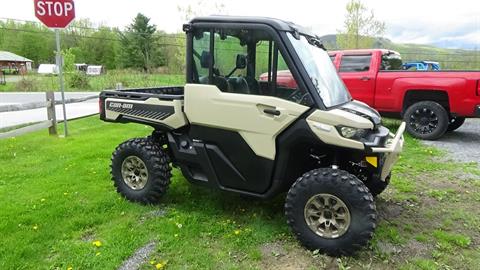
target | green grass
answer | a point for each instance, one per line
(57, 200)
(129, 79)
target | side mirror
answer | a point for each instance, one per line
(241, 62)
(205, 59)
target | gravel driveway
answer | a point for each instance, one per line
(463, 144)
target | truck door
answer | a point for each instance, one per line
(358, 74)
(235, 115)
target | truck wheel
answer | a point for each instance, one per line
(377, 186)
(455, 123)
(426, 120)
(140, 170)
(331, 210)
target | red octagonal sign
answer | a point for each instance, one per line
(55, 13)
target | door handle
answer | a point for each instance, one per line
(272, 112)
(365, 79)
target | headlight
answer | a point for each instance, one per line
(348, 132)
(352, 133)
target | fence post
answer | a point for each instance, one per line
(52, 130)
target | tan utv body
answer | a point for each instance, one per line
(228, 130)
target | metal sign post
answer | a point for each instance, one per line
(59, 61)
(56, 14)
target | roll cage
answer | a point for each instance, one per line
(239, 27)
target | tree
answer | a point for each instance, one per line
(68, 60)
(360, 27)
(139, 44)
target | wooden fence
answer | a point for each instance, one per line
(49, 104)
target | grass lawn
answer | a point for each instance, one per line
(129, 79)
(60, 210)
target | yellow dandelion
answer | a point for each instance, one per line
(65, 193)
(237, 232)
(97, 254)
(69, 268)
(35, 227)
(159, 266)
(176, 235)
(42, 199)
(97, 243)
(152, 262)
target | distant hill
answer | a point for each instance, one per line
(448, 58)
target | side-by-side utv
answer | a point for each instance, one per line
(229, 130)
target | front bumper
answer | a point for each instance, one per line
(391, 151)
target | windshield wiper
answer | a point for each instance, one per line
(316, 42)
(315, 83)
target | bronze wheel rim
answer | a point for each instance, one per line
(327, 216)
(134, 172)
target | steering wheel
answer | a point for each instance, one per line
(295, 96)
(300, 97)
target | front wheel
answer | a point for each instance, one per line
(377, 186)
(140, 170)
(332, 211)
(426, 120)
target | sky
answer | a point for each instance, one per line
(448, 24)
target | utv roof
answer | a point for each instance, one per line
(277, 24)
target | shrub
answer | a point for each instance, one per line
(79, 80)
(28, 85)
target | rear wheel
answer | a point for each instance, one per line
(455, 123)
(426, 120)
(140, 170)
(331, 210)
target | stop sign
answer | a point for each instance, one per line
(55, 13)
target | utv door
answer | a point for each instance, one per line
(234, 115)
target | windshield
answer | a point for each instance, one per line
(321, 71)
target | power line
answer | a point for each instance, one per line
(76, 35)
(69, 27)
(93, 28)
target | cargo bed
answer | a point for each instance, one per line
(159, 107)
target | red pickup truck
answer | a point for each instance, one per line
(431, 102)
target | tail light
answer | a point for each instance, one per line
(100, 106)
(478, 88)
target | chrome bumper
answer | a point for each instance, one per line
(392, 151)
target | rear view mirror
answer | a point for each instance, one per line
(241, 61)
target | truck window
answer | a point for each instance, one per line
(391, 61)
(355, 63)
(332, 57)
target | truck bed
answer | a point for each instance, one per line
(159, 107)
